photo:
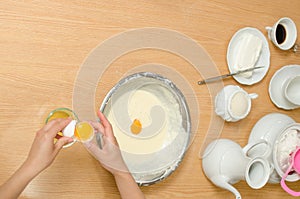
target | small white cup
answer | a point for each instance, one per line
(232, 103)
(290, 36)
(257, 173)
(291, 90)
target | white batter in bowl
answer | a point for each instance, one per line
(156, 102)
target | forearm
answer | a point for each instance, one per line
(127, 186)
(14, 186)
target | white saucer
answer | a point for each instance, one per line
(269, 128)
(263, 60)
(276, 86)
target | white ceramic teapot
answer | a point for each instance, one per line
(225, 163)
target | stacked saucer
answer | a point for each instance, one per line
(283, 87)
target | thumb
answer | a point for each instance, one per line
(61, 142)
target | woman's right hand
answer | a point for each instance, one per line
(111, 159)
(110, 155)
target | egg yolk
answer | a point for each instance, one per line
(59, 114)
(84, 131)
(136, 126)
(58, 136)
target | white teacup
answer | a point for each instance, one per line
(232, 103)
(291, 90)
(283, 33)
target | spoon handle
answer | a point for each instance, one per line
(213, 79)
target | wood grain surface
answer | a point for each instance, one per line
(44, 43)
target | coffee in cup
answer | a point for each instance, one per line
(283, 34)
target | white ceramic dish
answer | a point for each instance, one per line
(268, 128)
(293, 177)
(263, 60)
(277, 83)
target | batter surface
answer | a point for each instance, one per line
(158, 111)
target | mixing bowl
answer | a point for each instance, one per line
(155, 152)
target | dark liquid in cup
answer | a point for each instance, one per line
(280, 34)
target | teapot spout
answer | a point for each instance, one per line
(220, 181)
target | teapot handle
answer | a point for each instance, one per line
(284, 186)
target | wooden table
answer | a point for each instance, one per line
(44, 43)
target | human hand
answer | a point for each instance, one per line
(41, 155)
(110, 155)
(111, 159)
(43, 150)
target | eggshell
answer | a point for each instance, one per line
(69, 130)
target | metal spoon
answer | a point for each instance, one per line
(213, 79)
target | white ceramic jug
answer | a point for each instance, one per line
(225, 163)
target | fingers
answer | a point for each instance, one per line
(56, 125)
(104, 121)
(61, 142)
(98, 127)
(110, 156)
(108, 131)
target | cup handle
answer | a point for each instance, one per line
(269, 29)
(284, 186)
(253, 95)
(252, 145)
